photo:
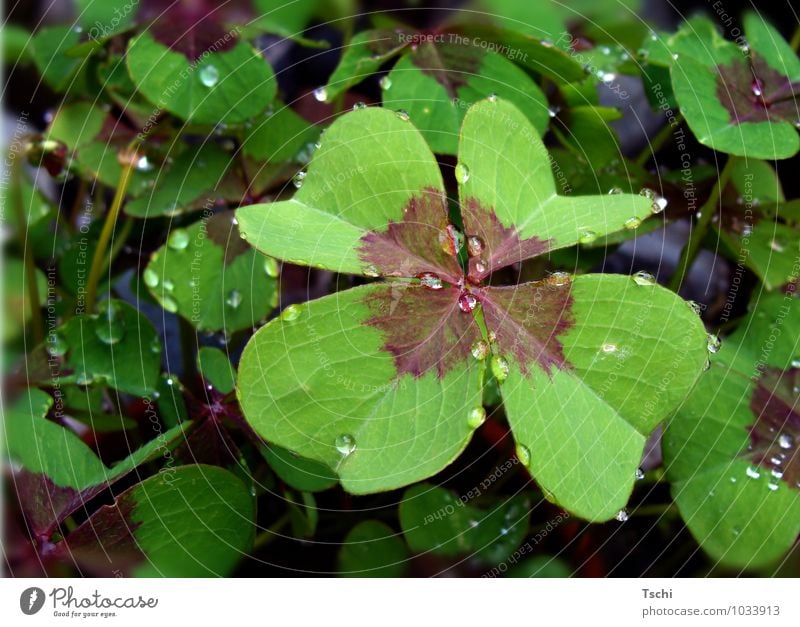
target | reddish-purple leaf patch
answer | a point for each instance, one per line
(416, 245)
(223, 231)
(775, 435)
(752, 91)
(450, 65)
(494, 246)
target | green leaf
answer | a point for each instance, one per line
(76, 124)
(194, 521)
(49, 54)
(359, 180)
(541, 20)
(730, 450)
(208, 275)
(103, 18)
(189, 182)
(301, 474)
(435, 83)
(118, 347)
(377, 428)
(439, 521)
(215, 367)
(279, 136)
(543, 566)
(16, 302)
(222, 87)
(372, 549)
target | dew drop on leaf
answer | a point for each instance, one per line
(430, 280)
(622, 515)
(321, 94)
(639, 475)
(643, 278)
(371, 271)
(451, 240)
(492, 97)
(385, 83)
(500, 368)
(271, 267)
(291, 313)
(713, 343)
(609, 348)
(462, 173)
(467, 302)
(298, 179)
(209, 75)
(168, 285)
(345, 444)
(403, 115)
(695, 307)
(169, 304)
(476, 417)
(632, 223)
(559, 278)
(150, 277)
(474, 245)
(359, 105)
(110, 327)
(587, 237)
(480, 266)
(56, 345)
(234, 299)
(785, 441)
(178, 239)
(523, 454)
(480, 350)
(752, 473)
(615, 190)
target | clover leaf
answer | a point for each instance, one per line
(741, 101)
(383, 382)
(731, 449)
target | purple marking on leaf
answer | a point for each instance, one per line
(502, 245)
(43, 503)
(105, 542)
(413, 246)
(752, 91)
(193, 27)
(450, 65)
(423, 329)
(527, 321)
(775, 435)
(224, 232)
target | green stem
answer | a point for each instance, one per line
(37, 324)
(271, 532)
(658, 141)
(700, 229)
(108, 228)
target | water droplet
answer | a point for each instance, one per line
(559, 278)
(474, 245)
(209, 75)
(462, 173)
(371, 271)
(143, 164)
(733, 479)
(587, 237)
(695, 307)
(155, 345)
(632, 223)
(83, 378)
(609, 348)
(321, 94)
(57, 345)
(757, 87)
(785, 441)
(385, 83)
(476, 417)
(492, 337)
(553, 111)
(298, 179)
(110, 327)
(480, 266)
(150, 277)
(674, 56)
(178, 239)
(169, 304)
(607, 77)
(752, 473)
(271, 267)
(523, 454)
(345, 444)
(492, 97)
(776, 246)
(615, 190)
(713, 343)
(659, 204)
(500, 368)
(430, 280)
(639, 475)
(467, 302)
(451, 240)
(795, 363)
(234, 299)
(168, 285)
(291, 313)
(403, 115)
(359, 105)
(480, 350)
(643, 278)
(622, 515)
(772, 486)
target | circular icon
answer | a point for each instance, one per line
(31, 600)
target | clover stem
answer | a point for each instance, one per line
(31, 285)
(699, 231)
(108, 228)
(658, 141)
(795, 42)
